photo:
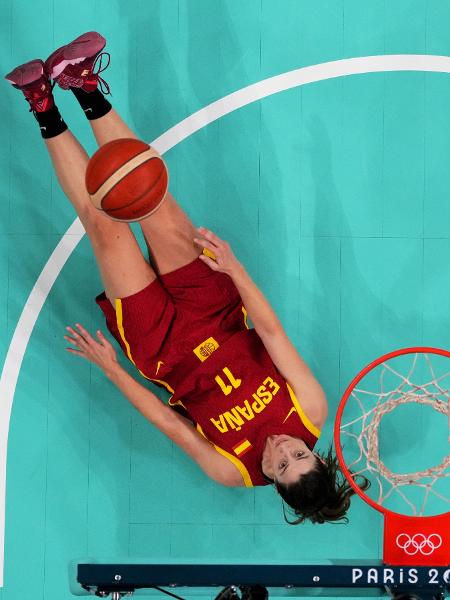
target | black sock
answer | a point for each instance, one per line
(50, 122)
(94, 104)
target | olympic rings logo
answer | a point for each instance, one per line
(419, 543)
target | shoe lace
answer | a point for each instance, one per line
(105, 90)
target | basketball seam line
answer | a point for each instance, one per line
(118, 175)
(137, 198)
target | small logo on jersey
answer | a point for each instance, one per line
(160, 362)
(289, 414)
(242, 448)
(85, 72)
(206, 348)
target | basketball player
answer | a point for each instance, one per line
(244, 405)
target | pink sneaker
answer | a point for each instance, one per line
(32, 80)
(73, 65)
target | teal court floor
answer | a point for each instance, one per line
(334, 194)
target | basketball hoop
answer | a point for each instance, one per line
(415, 504)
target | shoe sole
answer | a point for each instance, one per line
(26, 73)
(86, 45)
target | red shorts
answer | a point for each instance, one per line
(163, 327)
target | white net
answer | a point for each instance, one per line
(398, 415)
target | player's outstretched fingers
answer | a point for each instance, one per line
(85, 334)
(103, 341)
(106, 344)
(78, 352)
(78, 339)
(71, 340)
(99, 352)
(210, 236)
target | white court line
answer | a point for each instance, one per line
(169, 139)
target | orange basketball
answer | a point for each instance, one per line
(127, 179)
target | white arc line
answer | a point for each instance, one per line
(169, 139)
(285, 81)
(17, 348)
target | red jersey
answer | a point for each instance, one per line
(237, 397)
(187, 332)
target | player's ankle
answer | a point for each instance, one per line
(50, 122)
(94, 103)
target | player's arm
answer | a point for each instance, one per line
(176, 428)
(283, 354)
(173, 425)
(296, 372)
(280, 349)
(258, 308)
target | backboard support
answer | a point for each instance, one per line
(293, 580)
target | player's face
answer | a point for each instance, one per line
(286, 458)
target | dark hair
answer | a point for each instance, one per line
(321, 495)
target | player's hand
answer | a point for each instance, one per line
(225, 261)
(99, 352)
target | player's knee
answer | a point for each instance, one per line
(100, 229)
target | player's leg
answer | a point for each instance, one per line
(109, 127)
(76, 66)
(168, 232)
(123, 268)
(170, 237)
